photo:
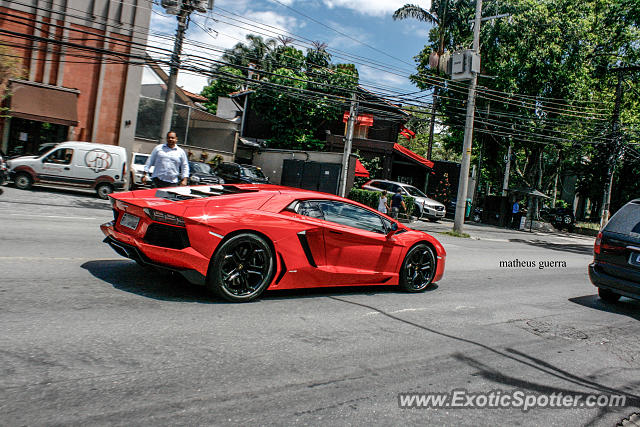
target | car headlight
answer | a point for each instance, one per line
(195, 179)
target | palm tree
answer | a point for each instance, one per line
(445, 14)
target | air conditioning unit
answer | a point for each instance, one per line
(172, 7)
(463, 64)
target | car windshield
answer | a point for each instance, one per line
(44, 148)
(199, 167)
(252, 172)
(414, 191)
(140, 159)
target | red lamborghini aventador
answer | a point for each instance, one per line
(239, 240)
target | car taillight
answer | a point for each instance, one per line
(597, 245)
(163, 217)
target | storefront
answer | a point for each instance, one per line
(39, 114)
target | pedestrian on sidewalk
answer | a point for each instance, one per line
(170, 163)
(382, 203)
(397, 203)
(515, 210)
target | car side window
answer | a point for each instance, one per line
(62, 156)
(352, 216)
(310, 209)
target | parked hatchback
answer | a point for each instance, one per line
(137, 170)
(425, 207)
(234, 173)
(615, 269)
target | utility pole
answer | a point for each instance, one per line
(353, 113)
(615, 149)
(461, 201)
(170, 96)
(507, 169)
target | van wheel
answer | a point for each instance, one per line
(103, 190)
(23, 181)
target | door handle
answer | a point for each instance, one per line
(67, 168)
(335, 232)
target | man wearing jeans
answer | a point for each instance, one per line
(170, 164)
(397, 203)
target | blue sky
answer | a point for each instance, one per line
(395, 43)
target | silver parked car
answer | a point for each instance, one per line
(425, 207)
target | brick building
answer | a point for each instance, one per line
(81, 72)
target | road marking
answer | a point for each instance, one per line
(370, 313)
(54, 216)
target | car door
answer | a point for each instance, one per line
(357, 248)
(56, 167)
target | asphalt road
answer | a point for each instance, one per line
(90, 338)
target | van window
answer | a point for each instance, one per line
(626, 220)
(62, 156)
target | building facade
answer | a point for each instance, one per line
(81, 71)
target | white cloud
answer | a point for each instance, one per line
(215, 37)
(375, 7)
(373, 76)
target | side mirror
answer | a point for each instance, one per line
(392, 229)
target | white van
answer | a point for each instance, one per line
(75, 164)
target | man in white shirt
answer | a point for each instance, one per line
(170, 164)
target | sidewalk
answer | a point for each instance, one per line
(479, 231)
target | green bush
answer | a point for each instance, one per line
(371, 198)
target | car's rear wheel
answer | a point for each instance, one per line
(103, 190)
(418, 268)
(23, 181)
(242, 268)
(608, 296)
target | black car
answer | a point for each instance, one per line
(233, 173)
(615, 269)
(202, 173)
(560, 217)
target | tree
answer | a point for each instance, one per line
(10, 68)
(222, 85)
(295, 93)
(554, 56)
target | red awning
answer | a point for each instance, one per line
(413, 156)
(361, 170)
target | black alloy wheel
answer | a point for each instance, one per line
(242, 268)
(418, 268)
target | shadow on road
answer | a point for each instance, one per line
(625, 306)
(337, 291)
(576, 384)
(128, 276)
(165, 285)
(562, 247)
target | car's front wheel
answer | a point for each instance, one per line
(418, 268)
(242, 268)
(23, 181)
(608, 296)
